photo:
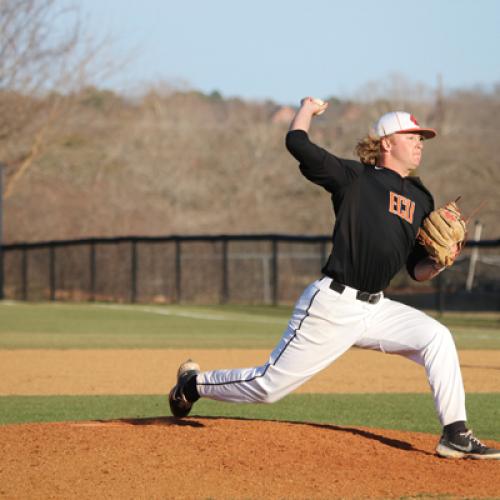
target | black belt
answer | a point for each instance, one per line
(372, 298)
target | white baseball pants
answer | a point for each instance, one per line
(323, 326)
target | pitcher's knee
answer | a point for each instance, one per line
(442, 337)
(271, 388)
(267, 395)
(272, 398)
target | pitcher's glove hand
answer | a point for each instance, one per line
(443, 234)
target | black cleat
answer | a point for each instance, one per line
(465, 445)
(179, 405)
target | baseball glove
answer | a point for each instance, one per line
(443, 234)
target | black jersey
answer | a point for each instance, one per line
(378, 214)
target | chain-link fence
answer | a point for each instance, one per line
(247, 269)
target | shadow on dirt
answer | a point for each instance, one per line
(482, 367)
(166, 421)
(197, 422)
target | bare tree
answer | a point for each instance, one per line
(44, 57)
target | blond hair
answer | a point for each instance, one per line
(368, 150)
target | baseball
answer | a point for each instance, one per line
(320, 103)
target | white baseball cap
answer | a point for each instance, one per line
(400, 121)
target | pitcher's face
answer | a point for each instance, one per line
(406, 149)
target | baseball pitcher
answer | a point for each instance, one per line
(385, 220)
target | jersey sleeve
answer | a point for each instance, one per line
(320, 166)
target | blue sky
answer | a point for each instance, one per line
(284, 50)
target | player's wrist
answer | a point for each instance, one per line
(436, 266)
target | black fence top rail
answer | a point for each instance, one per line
(200, 238)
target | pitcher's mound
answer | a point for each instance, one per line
(230, 458)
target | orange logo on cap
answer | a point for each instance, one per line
(414, 120)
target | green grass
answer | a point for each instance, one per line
(99, 326)
(80, 326)
(411, 412)
(473, 330)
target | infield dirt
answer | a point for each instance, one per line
(227, 458)
(219, 458)
(146, 371)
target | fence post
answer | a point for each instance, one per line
(322, 254)
(133, 272)
(178, 270)
(225, 277)
(440, 295)
(1, 234)
(274, 271)
(473, 258)
(24, 273)
(92, 272)
(52, 272)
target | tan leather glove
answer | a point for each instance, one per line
(442, 232)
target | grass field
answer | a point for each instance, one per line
(99, 326)
(411, 412)
(91, 326)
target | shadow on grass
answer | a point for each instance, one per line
(194, 421)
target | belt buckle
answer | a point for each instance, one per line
(371, 298)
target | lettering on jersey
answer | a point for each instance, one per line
(401, 206)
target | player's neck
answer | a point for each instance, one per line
(391, 163)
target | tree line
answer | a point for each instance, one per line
(85, 161)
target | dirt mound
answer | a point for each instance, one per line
(229, 458)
